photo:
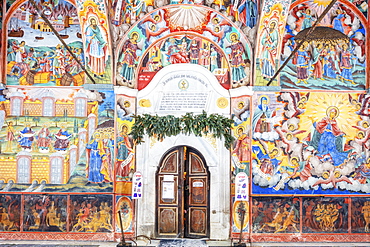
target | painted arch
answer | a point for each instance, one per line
(202, 30)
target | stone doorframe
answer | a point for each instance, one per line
(148, 157)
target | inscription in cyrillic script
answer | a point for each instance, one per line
(177, 101)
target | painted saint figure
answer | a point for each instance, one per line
(328, 139)
(260, 116)
(242, 151)
(194, 52)
(129, 57)
(269, 42)
(302, 64)
(308, 19)
(95, 171)
(346, 65)
(96, 48)
(237, 59)
(125, 154)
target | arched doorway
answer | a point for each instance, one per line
(182, 197)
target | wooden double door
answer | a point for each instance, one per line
(182, 195)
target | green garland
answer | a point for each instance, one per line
(160, 127)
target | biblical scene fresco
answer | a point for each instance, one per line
(275, 215)
(53, 129)
(310, 143)
(241, 150)
(220, 48)
(35, 55)
(125, 155)
(45, 213)
(90, 213)
(270, 30)
(10, 211)
(325, 215)
(360, 212)
(362, 5)
(125, 211)
(94, 25)
(332, 56)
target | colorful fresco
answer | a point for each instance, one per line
(186, 49)
(332, 56)
(125, 154)
(96, 40)
(90, 213)
(360, 215)
(241, 151)
(10, 213)
(275, 215)
(128, 12)
(125, 210)
(268, 44)
(362, 5)
(35, 55)
(325, 215)
(310, 143)
(45, 213)
(52, 129)
(240, 214)
(245, 11)
(219, 47)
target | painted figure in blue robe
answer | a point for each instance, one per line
(95, 154)
(346, 65)
(248, 13)
(328, 139)
(329, 63)
(26, 137)
(337, 22)
(269, 42)
(308, 19)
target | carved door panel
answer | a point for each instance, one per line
(196, 197)
(169, 195)
(182, 195)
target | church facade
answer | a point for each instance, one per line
(245, 120)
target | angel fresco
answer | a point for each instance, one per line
(325, 146)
